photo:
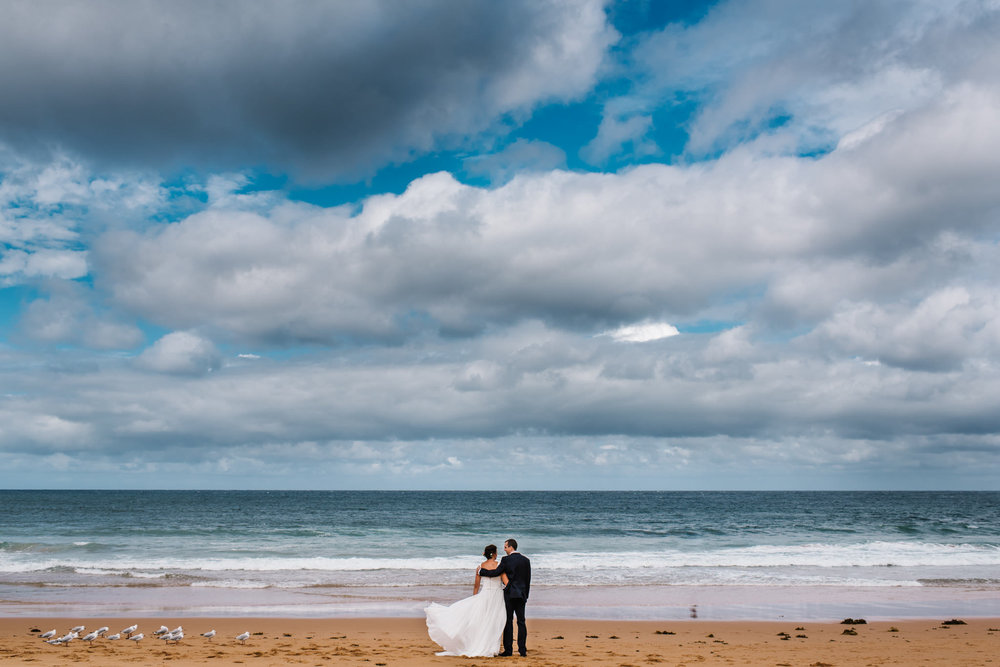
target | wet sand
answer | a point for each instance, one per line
(374, 642)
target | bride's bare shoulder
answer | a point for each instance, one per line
(489, 565)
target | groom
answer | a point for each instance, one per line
(517, 569)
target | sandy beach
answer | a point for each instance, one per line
(556, 643)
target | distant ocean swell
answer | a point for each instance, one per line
(605, 554)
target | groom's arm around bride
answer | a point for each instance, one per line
(517, 567)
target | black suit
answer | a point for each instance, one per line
(515, 595)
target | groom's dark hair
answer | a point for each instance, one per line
(513, 543)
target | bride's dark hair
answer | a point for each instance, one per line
(490, 551)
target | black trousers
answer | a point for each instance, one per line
(515, 606)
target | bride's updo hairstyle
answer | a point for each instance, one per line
(490, 551)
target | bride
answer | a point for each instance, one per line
(472, 626)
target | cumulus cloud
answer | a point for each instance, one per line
(181, 353)
(18, 265)
(318, 89)
(732, 345)
(492, 403)
(620, 131)
(38, 429)
(520, 157)
(59, 183)
(45, 207)
(66, 315)
(642, 333)
(835, 68)
(939, 333)
(590, 252)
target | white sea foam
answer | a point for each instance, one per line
(871, 564)
(230, 583)
(870, 554)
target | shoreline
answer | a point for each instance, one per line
(627, 603)
(551, 642)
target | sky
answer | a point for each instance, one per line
(746, 244)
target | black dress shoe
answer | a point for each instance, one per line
(524, 654)
(504, 655)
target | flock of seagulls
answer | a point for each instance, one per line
(163, 633)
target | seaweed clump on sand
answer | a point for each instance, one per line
(854, 621)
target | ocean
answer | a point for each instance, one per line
(639, 555)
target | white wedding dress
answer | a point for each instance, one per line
(472, 626)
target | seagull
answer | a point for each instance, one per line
(137, 638)
(79, 628)
(208, 635)
(172, 636)
(91, 637)
(179, 628)
(49, 634)
(162, 631)
(129, 630)
(243, 638)
(103, 630)
(114, 637)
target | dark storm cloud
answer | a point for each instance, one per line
(324, 89)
